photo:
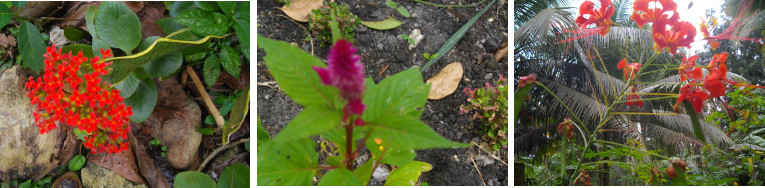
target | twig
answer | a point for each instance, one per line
(208, 102)
(479, 171)
(383, 70)
(439, 5)
(269, 84)
(222, 148)
(495, 157)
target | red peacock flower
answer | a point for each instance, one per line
(346, 72)
(717, 74)
(672, 34)
(644, 13)
(65, 93)
(630, 69)
(568, 126)
(688, 69)
(733, 32)
(694, 95)
(588, 15)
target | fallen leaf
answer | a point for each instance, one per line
(445, 82)
(7, 41)
(75, 14)
(122, 163)
(146, 164)
(151, 28)
(300, 9)
(501, 51)
(389, 23)
(134, 6)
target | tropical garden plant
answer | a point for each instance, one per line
(635, 102)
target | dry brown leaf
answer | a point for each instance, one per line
(151, 28)
(501, 52)
(300, 9)
(445, 82)
(7, 41)
(122, 163)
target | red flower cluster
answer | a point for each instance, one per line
(65, 93)
(568, 126)
(588, 15)
(687, 69)
(733, 32)
(668, 32)
(630, 72)
(526, 80)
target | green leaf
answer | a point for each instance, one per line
(292, 70)
(334, 28)
(179, 7)
(169, 26)
(409, 132)
(520, 97)
(243, 12)
(174, 42)
(98, 45)
(242, 29)
(31, 47)
(206, 131)
(164, 148)
(143, 99)
(227, 7)
(230, 60)
(193, 179)
(236, 175)
(393, 155)
(5, 15)
(311, 121)
(287, 163)
(155, 142)
(90, 20)
(401, 10)
(211, 69)
(389, 23)
(204, 23)
(247, 146)
(455, 38)
(391, 4)
(262, 134)
(408, 174)
(340, 177)
(337, 135)
(364, 172)
(18, 4)
(226, 108)
(758, 140)
(118, 26)
(73, 33)
(207, 5)
(162, 66)
(336, 160)
(694, 121)
(238, 113)
(76, 163)
(401, 94)
(128, 86)
(86, 50)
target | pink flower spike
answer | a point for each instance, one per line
(346, 72)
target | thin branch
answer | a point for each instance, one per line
(206, 97)
(222, 148)
(479, 171)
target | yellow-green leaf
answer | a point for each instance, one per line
(241, 106)
(389, 23)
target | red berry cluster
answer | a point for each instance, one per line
(71, 91)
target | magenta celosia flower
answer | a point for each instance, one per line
(345, 71)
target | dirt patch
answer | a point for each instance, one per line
(381, 49)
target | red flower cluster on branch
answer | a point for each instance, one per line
(67, 93)
(588, 15)
(668, 31)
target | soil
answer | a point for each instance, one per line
(380, 49)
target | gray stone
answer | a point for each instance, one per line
(95, 176)
(24, 152)
(487, 76)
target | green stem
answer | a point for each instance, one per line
(439, 5)
(669, 65)
(649, 99)
(608, 162)
(563, 154)
(634, 148)
(660, 70)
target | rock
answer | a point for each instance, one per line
(24, 152)
(95, 176)
(381, 173)
(487, 76)
(57, 37)
(69, 179)
(174, 122)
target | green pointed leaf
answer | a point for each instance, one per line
(335, 160)
(236, 175)
(179, 7)
(243, 12)
(695, 122)
(262, 134)
(169, 26)
(292, 70)
(143, 100)
(389, 23)
(227, 7)
(174, 42)
(18, 4)
(242, 29)
(401, 94)
(128, 86)
(340, 177)
(31, 47)
(311, 121)
(393, 155)
(364, 172)
(337, 136)
(118, 26)
(403, 11)
(206, 131)
(758, 140)
(90, 20)
(287, 163)
(391, 4)
(193, 179)
(162, 66)
(76, 163)
(230, 60)
(211, 69)
(238, 113)
(203, 22)
(409, 132)
(207, 5)
(99, 45)
(73, 33)
(520, 97)
(86, 50)
(5, 15)
(408, 174)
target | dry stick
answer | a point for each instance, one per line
(222, 148)
(479, 171)
(208, 102)
(487, 152)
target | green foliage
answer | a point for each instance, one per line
(203, 22)
(428, 56)
(193, 179)
(401, 10)
(389, 23)
(73, 33)
(236, 175)
(238, 113)
(407, 175)
(164, 66)
(5, 15)
(86, 50)
(230, 60)
(489, 104)
(143, 99)
(340, 177)
(31, 47)
(408, 39)
(319, 22)
(155, 142)
(76, 163)
(211, 69)
(116, 25)
(206, 131)
(287, 163)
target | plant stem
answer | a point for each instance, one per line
(439, 5)
(649, 99)
(349, 144)
(642, 113)
(218, 150)
(206, 98)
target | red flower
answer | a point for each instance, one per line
(688, 70)
(633, 100)
(717, 74)
(630, 70)
(525, 80)
(600, 17)
(732, 32)
(672, 34)
(695, 96)
(643, 14)
(81, 105)
(568, 126)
